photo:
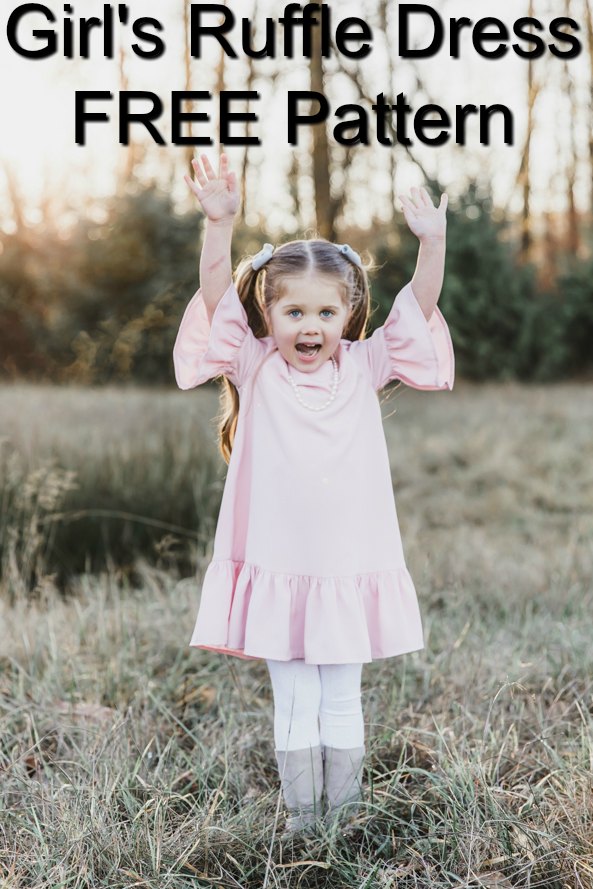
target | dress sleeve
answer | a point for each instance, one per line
(203, 351)
(408, 347)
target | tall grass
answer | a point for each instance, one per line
(90, 479)
(128, 759)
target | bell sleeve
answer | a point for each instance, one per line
(205, 350)
(409, 348)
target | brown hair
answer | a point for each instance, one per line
(263, 287)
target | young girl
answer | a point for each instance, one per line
(308, 570)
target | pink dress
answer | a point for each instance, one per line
(308, 560)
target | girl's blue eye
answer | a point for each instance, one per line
(296, 310)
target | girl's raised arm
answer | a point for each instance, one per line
(429, 224)
(219, 199)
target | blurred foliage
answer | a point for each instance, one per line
(104, 305)
(503, 325)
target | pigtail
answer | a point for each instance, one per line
(249, 284)
(246, 283)
(357, 323)
(227, 418)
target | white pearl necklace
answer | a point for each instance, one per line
(333, 390)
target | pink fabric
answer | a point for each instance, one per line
(308, 559)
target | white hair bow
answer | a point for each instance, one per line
(265, 254)
(262, 257)
(350, 254)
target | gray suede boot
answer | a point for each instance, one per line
(342, 775)
(301, 777)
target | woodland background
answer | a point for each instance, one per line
(99, 299)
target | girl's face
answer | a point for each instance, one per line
(310, 311)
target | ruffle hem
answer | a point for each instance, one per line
(250, 612)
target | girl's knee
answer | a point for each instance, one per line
(340, 683)
(296, 685)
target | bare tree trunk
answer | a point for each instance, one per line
(573, 239)
(589, 25)
(189, 151)
(293, 187)
(384, 21)
(15, 198)
(546, 269)
(324, 213)
(219, 88)
(128, 167)
(524, 174)
(245, 164)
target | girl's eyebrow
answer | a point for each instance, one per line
(297, 306)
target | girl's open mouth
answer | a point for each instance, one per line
(307, 353)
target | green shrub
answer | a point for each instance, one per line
(105, 305)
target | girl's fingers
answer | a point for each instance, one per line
(207, 174)
(208, 167)
(444, 202)
(198, 171)
(207, 184)
(421, 198)
(407, 203)
(191, 184)
(426, 198)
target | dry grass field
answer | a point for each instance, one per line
(129, 760)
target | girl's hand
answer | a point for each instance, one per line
(428, 222)
(218, 195)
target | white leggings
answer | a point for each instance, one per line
(316, 704)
